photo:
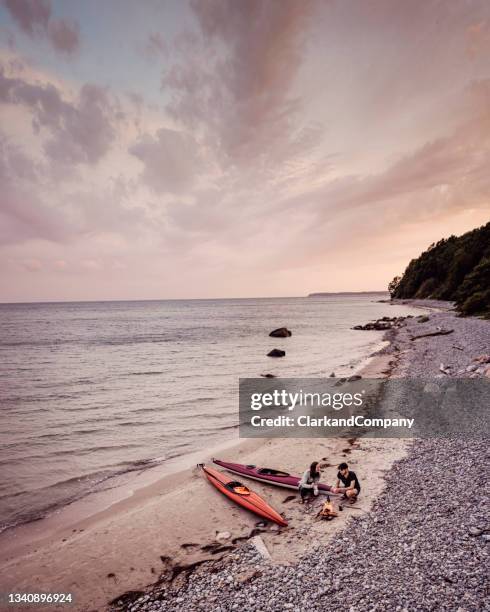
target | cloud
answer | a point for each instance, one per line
(24, 214)
(295, 146)
(437, 181)
(35, 204)
(171, 160)
(81, 131)
(64, 35)
(34, 18)
(434, 183)
(234, 81)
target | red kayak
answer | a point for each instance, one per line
(268, 475)
(242, 495)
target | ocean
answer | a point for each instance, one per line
(93, 390)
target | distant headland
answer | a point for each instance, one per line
(327, 293)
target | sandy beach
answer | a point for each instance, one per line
(165, 535)
(244, 244)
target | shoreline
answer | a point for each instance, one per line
(53, 543)
(93, 495)
(137, 517)
(428, 537)
(403, 538)
(19, 538)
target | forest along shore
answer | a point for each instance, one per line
(424, 543)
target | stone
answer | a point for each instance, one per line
(280, 332)
(260, 546)
(248, 575)
(276, 353)
(474, 531)
(482, 359)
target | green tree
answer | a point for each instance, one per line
(454, 268)
(393, 285)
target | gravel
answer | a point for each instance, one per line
(423, 546)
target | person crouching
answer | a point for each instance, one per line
(308, 485)
(351, 486)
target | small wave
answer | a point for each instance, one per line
(93, 449)
(92, 482)
(35, 343)
(50, 436)
(100, 419)
(225, 427)
(85, 431)
(80, 409)
(145, 410)
(144, 373)
(22, 398)
(142, 462)
(131, 341)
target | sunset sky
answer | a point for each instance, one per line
(172, 149)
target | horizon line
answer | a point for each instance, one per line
(270, 297)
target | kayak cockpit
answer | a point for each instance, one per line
(237, 487)
(272, 472)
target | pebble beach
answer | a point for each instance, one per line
(416, 539)
(423, 545)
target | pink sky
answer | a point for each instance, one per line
(233, 149)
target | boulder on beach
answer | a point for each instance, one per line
(276, 353)
(280, 332)
(383, 324)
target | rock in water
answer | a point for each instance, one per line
(280, 332)
(276, 353)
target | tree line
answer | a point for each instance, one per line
(455, 268)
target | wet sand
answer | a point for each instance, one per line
(173, 522)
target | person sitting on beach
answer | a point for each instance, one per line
(308, 484)
(351, 488)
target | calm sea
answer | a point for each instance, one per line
(90, 391)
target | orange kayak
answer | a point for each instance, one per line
(242, 495)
